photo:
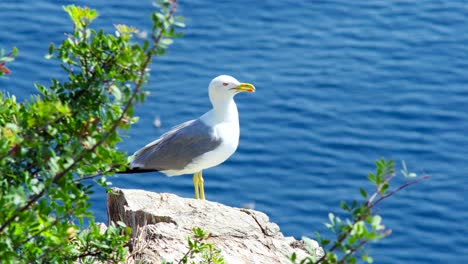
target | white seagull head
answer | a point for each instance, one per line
(224, 87)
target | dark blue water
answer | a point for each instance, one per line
(339, 85)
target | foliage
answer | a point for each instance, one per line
(201, 250)
(54, 140)
(365, 225)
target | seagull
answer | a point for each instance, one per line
(197, 144)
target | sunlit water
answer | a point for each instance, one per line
(339, 85)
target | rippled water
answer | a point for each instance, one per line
(339, 84)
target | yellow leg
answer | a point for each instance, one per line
(202, 188)
(195, 185)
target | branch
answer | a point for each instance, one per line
(352, 251)
(399, 189)
(89, 177)
(370, 205)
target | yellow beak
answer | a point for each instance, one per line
(245, 87)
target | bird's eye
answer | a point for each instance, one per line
(225, 83)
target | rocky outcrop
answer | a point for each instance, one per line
(161, 223)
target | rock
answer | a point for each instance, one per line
(162, 222)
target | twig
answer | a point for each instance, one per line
(399, 189)
(89, 177)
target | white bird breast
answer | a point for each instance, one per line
(229, 132)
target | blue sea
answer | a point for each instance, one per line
(339, 85)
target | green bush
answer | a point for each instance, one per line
(67, 132)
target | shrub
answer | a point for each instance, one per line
(67, 132)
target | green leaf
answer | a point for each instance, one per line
(376, 220)
(363, 193)
(166, 42)
(331, 217)
(115, 91)
(51, 48)
(81, 17)
(372, 178)
(344, 206)
(293, 257)
(384, 188)
(367, 259)
(405, 172)
(8, 59)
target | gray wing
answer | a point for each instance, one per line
(177, 148)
